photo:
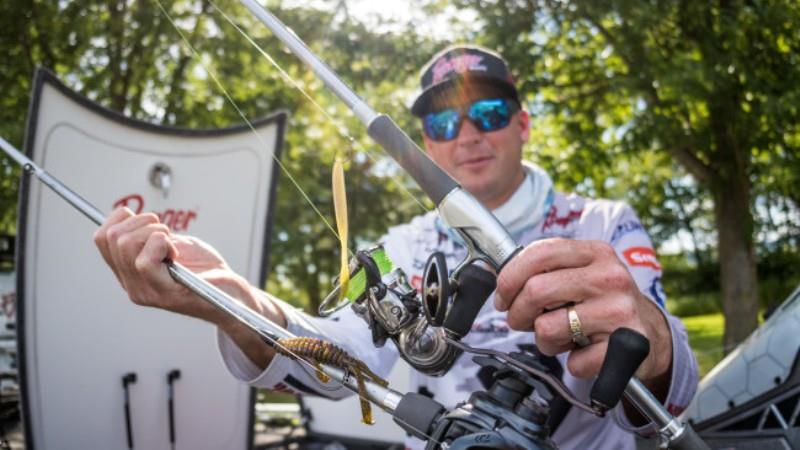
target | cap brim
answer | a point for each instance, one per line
(422, 104)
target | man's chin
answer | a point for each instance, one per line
(478, 190)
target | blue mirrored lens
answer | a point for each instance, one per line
(442, 125)
(490, 114)
(487, 115)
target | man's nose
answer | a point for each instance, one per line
(469, 133)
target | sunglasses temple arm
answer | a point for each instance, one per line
(480, 229)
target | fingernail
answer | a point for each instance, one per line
(499, 304)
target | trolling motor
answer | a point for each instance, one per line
(421, 329)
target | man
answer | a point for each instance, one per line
(594, 253)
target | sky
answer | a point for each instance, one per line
(401, 12)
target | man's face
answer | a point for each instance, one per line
(487, 164)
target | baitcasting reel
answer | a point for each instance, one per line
(525, 397)
(515, 411)
(421, 329)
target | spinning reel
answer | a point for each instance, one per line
(421, 329)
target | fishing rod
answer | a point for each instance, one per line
(484, 235)
(486, 238)
(512, 413)
(384, 397)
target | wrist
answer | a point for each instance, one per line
(659, 367)
(240, 290)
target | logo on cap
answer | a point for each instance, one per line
(459, 64)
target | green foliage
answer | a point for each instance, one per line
(779, 275)
(185, 66)
(667, 105)
(634, 97)
(693, 289)
(705, 337)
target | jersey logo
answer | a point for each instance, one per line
(657, 291)
(492, 325)
(642, 256)
(553, 218)
(625, 228)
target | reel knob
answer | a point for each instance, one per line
(436, 290)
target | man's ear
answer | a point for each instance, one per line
(525, 125)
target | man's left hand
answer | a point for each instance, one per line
(551, 273)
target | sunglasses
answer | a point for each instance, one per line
(490, 114)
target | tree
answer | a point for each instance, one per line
(177, 62)
(714, 85)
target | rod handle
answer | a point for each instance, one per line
(430, 177)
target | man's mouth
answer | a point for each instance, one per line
(476, 162)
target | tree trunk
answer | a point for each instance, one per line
(737, 259)
(178, 75)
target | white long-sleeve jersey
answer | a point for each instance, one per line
(409, 246)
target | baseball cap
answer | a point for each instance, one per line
(459, 63)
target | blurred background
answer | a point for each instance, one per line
(687, 110)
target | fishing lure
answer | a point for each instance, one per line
(324, 352)
(340, 210)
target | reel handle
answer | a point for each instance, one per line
(626, 351)
(474, 287)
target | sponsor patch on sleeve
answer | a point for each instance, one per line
(641, 256)
(624, 228)
(657, 291)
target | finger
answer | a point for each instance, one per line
(598, 317)
(549, 328)
(537, 258)
(130, 245)
(133, 244)
(552, 349)
(100, 235)
(586, 362)
(150, 269)
(115, 232)
(550, 291)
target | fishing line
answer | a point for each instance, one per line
(308, 365)
(342, 129)
(242, 115)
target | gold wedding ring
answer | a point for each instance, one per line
(578, 338)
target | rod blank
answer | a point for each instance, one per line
(270, 331)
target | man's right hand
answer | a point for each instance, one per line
(135, 248)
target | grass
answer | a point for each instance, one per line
(705, 337)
